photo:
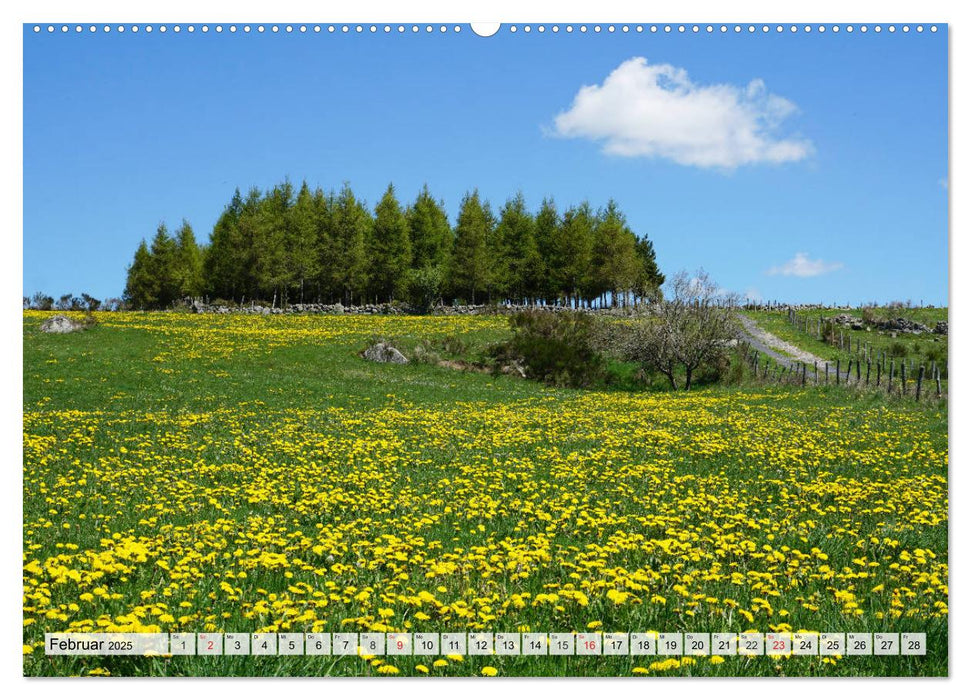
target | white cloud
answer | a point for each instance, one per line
(753, 295)
(655, 111)
(802, 266)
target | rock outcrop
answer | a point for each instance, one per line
(60, 324)
(382, 352)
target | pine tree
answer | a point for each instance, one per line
(431, 247)
(647, 283)
(248, 234)
(224, 257)
(141, 289)
(431, 235)
(274, 272)
(545, 233)
(162, 268)
(326, 261)
(188, 263)
(469, 271)
(518, 263)
(614, 256)
(390, 249)
(571, 255)
(350, 224)
(303, 256)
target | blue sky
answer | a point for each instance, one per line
(824, 180)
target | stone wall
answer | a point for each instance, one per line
(388, 309)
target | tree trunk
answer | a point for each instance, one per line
(669, 373)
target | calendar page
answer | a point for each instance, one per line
(433, 349)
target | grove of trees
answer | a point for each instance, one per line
(284, 247)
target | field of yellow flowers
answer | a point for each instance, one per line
(246, 474)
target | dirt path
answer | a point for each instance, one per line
(779, 350)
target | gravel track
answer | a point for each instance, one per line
(784, 353)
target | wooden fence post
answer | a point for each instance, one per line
(920, 380)
(878, 374)
(837, 371)
(816, 372)
(857, 369)
(903, 378)
(890, 379)
(827, 374)
(868, 372)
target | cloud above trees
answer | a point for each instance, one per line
(645, 110)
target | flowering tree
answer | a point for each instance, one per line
(687, 329)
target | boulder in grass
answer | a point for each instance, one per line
(60, 324)
(382, 352)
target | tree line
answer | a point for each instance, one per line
(286, 247)
(69, 302)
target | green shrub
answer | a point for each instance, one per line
(424, 287)
(936, 353)
(555, 348)
(453, 345)
(424, 354)
(897, 349)
(89, 321)
(869, 315)
(734, 370)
